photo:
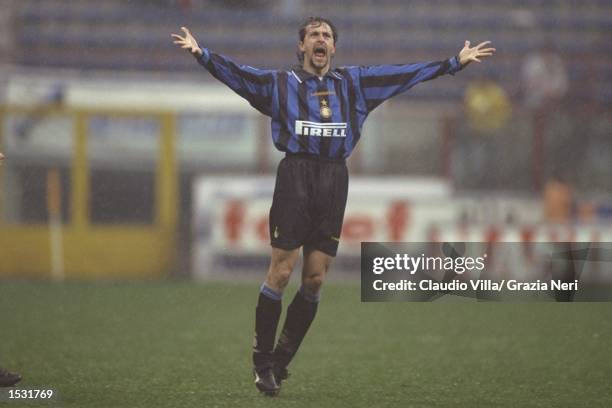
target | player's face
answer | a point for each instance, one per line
(318, 48)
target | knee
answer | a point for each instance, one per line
(279, 274)
(313, 283)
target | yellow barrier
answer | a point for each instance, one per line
(90, 250)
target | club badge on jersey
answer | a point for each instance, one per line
(325, 110)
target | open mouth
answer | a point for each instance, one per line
(320, 52)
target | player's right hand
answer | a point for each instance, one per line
(188, 42)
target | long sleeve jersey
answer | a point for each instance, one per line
(321, 116)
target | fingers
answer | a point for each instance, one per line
(475, 59)
(480, 46)
(183, 42)
(181, 38)
(178, 40)
(487, 52)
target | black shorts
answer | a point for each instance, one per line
(308, 205)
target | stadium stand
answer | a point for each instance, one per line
(133, 36)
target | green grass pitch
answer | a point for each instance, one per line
(169, 344)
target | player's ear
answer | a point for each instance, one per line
(301, 47)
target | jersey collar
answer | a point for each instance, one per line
(302, 75)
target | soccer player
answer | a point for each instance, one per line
(317, 113)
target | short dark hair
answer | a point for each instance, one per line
(316, 21)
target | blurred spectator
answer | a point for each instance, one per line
(558, 200)
(544, 84)
(487, 105)
(545, 79)
(487, 109)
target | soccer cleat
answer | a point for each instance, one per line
(266, 383)
(7, 378)
(280, 374)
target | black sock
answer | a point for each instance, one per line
(300, 315)
(267, 314)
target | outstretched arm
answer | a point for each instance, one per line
(254, 85)
(381, 82)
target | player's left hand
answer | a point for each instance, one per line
(188, 42)
(467, 54)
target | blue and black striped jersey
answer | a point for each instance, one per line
(322, 116)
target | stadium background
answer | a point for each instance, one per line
(131, 174)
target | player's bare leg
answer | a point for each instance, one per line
(281, 266)
(267, 314)
(301, 311)
(314, 271)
